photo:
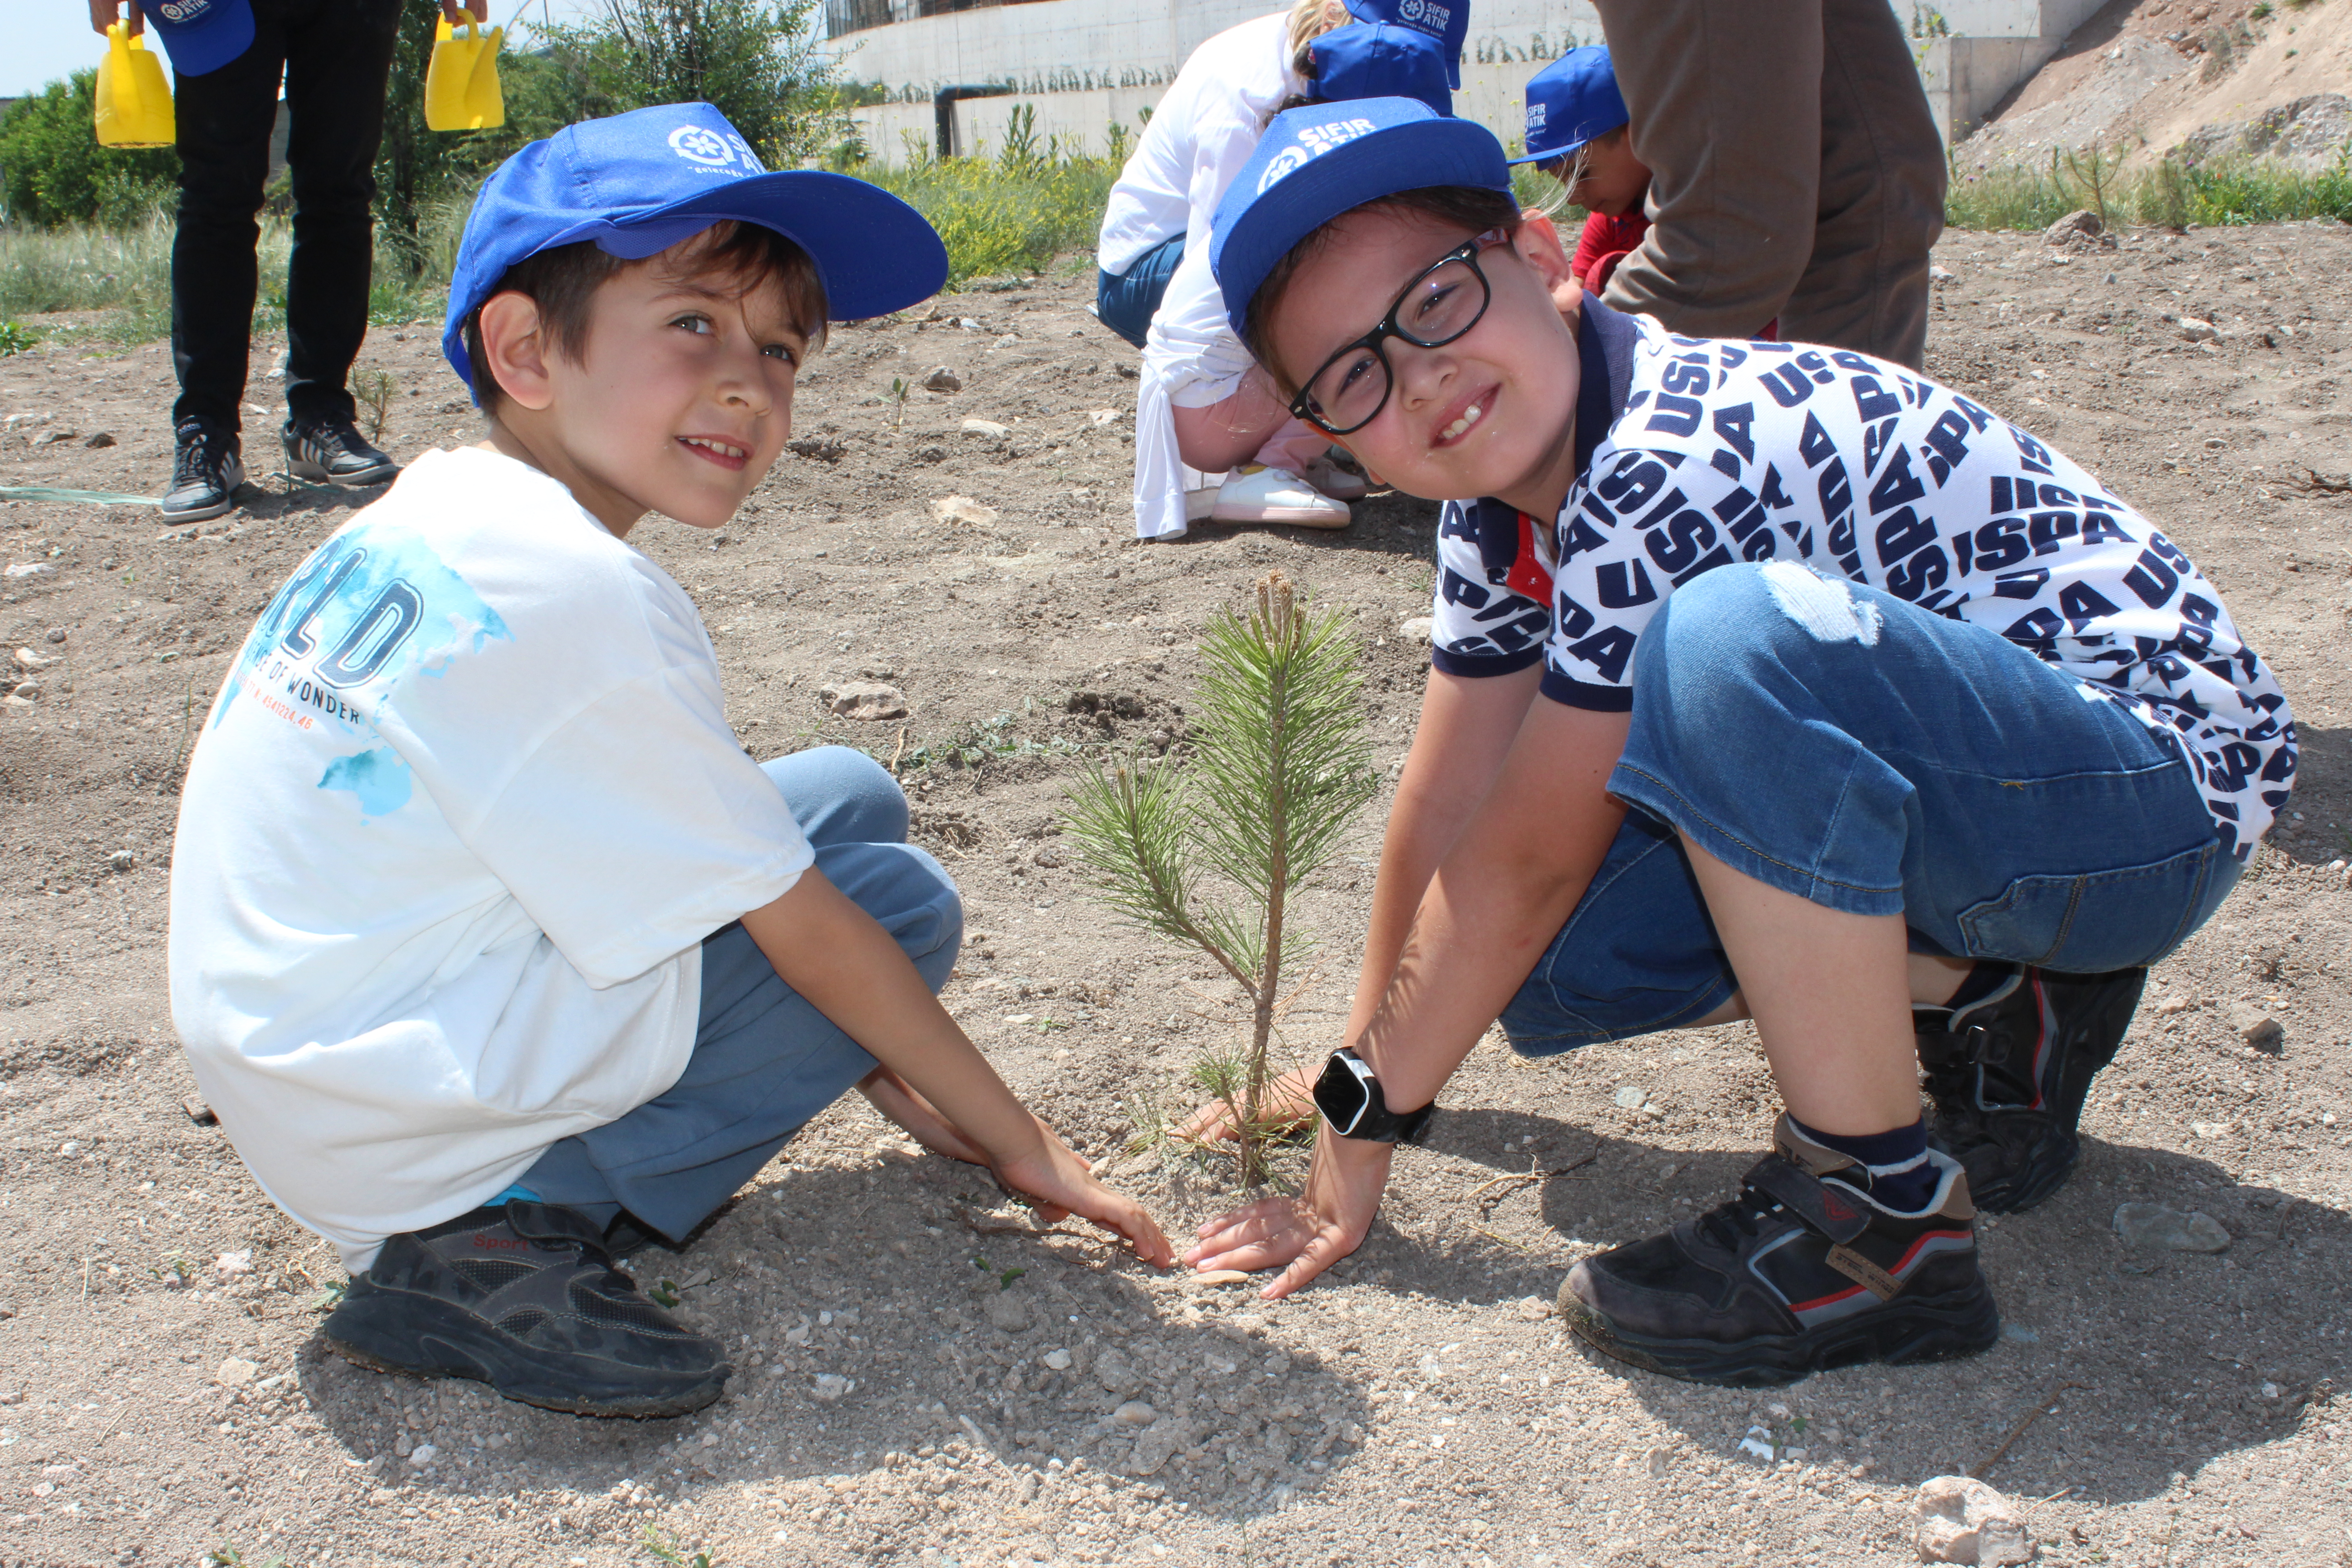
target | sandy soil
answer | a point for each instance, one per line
(163, 1393)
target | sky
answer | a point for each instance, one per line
(48, 39)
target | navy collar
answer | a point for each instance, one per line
(1605, 341)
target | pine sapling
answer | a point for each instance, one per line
(1209, 854)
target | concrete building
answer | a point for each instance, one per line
(1081, 66)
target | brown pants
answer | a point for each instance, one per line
(1795, 170)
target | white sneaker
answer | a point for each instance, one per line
(1277, 495)
(1339, 483)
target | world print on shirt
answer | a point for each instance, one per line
(1749, 451)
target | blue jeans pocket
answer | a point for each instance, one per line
(2087, 924)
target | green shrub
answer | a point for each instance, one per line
(52, 170)
(2171, 195)
(1005, 215)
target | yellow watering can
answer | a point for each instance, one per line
(461, 83)
(134, 103)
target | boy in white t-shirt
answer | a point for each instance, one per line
(485, 930)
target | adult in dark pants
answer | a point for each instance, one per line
(228, 57)
(1795, 170)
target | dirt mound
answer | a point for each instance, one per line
(2202, 80)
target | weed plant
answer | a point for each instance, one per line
(2171, 194)
(1012, 213)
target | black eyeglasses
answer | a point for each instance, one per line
(1446, 302)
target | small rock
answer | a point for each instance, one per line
(30, 569)
(1416, 628)
(967, 324)
(1007, 1311)
(2080, 224)
(122, 860)
(1135, 1413)
(1534, 1309)
(52, 437)
(234, 1264)
(942, 379)
(2172, 1005)
(988, 428)
(1056, 1360)
(829, 1386)
(2271, 1391)
(2153, 1227)
(1756, 1445)
(962, 508)
(1116, 1373)
(1939, 275)
(2018, 1333)
(1099, 418)
(11, 1396)
(1630, 1098)
(199, 1111)
(2258, 1030)
(1219, 1277)
(28, 689)
(235, 1372)
(101, 438)
(864, 700)
(1957, 1519)
(1661, 1461)
(424, 1454)
(2194, 330)
(54, 635)
(27, 659)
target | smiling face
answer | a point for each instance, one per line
(678, 401)
(1492, 412)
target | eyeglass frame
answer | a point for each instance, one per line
(1467, 254)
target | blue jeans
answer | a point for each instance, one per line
(1126, 303)
(765, 1060)
(1841, 744)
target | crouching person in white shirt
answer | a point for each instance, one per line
(1201, 402)
(488, 942)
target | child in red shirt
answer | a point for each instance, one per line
(1578, 132)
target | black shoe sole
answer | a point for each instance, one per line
(388, 1331)
(317, 474)
(2034, 1183)
(1946, 1328)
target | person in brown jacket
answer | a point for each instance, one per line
(1796, 171)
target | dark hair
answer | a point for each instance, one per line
(562, 282)
(1474, 207)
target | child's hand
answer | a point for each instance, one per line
(1289, 1102)
(896, 1099)
(1061, 1184)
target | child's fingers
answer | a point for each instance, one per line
(1263, 1210)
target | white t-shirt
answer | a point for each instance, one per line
(456, 826)
(1722, 451)
(1204, 129)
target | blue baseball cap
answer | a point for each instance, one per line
(637, 183)
(1570, 103)
(202, 35)
(1375, 60)
(1445, 21)
(1315, 162)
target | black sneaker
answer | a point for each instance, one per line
(206, 468)
(525, 1298)
(1801, 1273)
(2009, 1073)
(333, 452)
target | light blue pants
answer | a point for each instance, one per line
(765, 1060)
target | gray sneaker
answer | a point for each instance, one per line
(333, 452)
(205, 471)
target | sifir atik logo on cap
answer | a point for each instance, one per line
(185, 10)
(1313, 142)
(702, 148)
(1427, 16)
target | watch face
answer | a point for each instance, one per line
(1341, 1095)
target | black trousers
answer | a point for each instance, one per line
(334, 55)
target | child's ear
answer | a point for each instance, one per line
(1538, 243)
(516, 348)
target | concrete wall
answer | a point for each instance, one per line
(1084, 64)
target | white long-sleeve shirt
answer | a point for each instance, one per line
(1202, 131)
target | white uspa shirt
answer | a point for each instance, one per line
(1203, 130)
(456, 826)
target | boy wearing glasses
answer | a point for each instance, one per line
(1770, 681)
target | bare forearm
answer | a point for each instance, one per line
(832, 953)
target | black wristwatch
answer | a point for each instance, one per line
(1350, 1100)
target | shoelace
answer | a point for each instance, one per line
(198, 458)
(1730, 1223)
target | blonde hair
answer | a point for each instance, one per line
(1309, 20)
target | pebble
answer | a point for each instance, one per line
(27, 659)
(1939, 274)
(1958, 1518)
(11, 1396)
(28, 689)
(122, 860)
(101, 438)
(2259, 1030)
(1006, 1310)
(30, 569)
(233, 1264)
(1630, 1098)
(424, 1454)
(1757, 1444)
(1219, 1277)
(235, 1372)
(942, 379)
(55, 633)
(1116, 1373)
(863, 700)
(962, 508)
(2195, 330)
(829, 1386)
(2155, 1227)
(1661, 1461)
(1135, 1413)
(1416, 628)
(989, 428)
(1056, 1360)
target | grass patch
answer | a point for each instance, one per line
(998, 219)
(2169, 195)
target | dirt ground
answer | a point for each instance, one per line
(1019, 1398)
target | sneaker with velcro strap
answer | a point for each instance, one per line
(525, 1298)
(2007, 1074)
(333, 452)
(1803, 1271)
